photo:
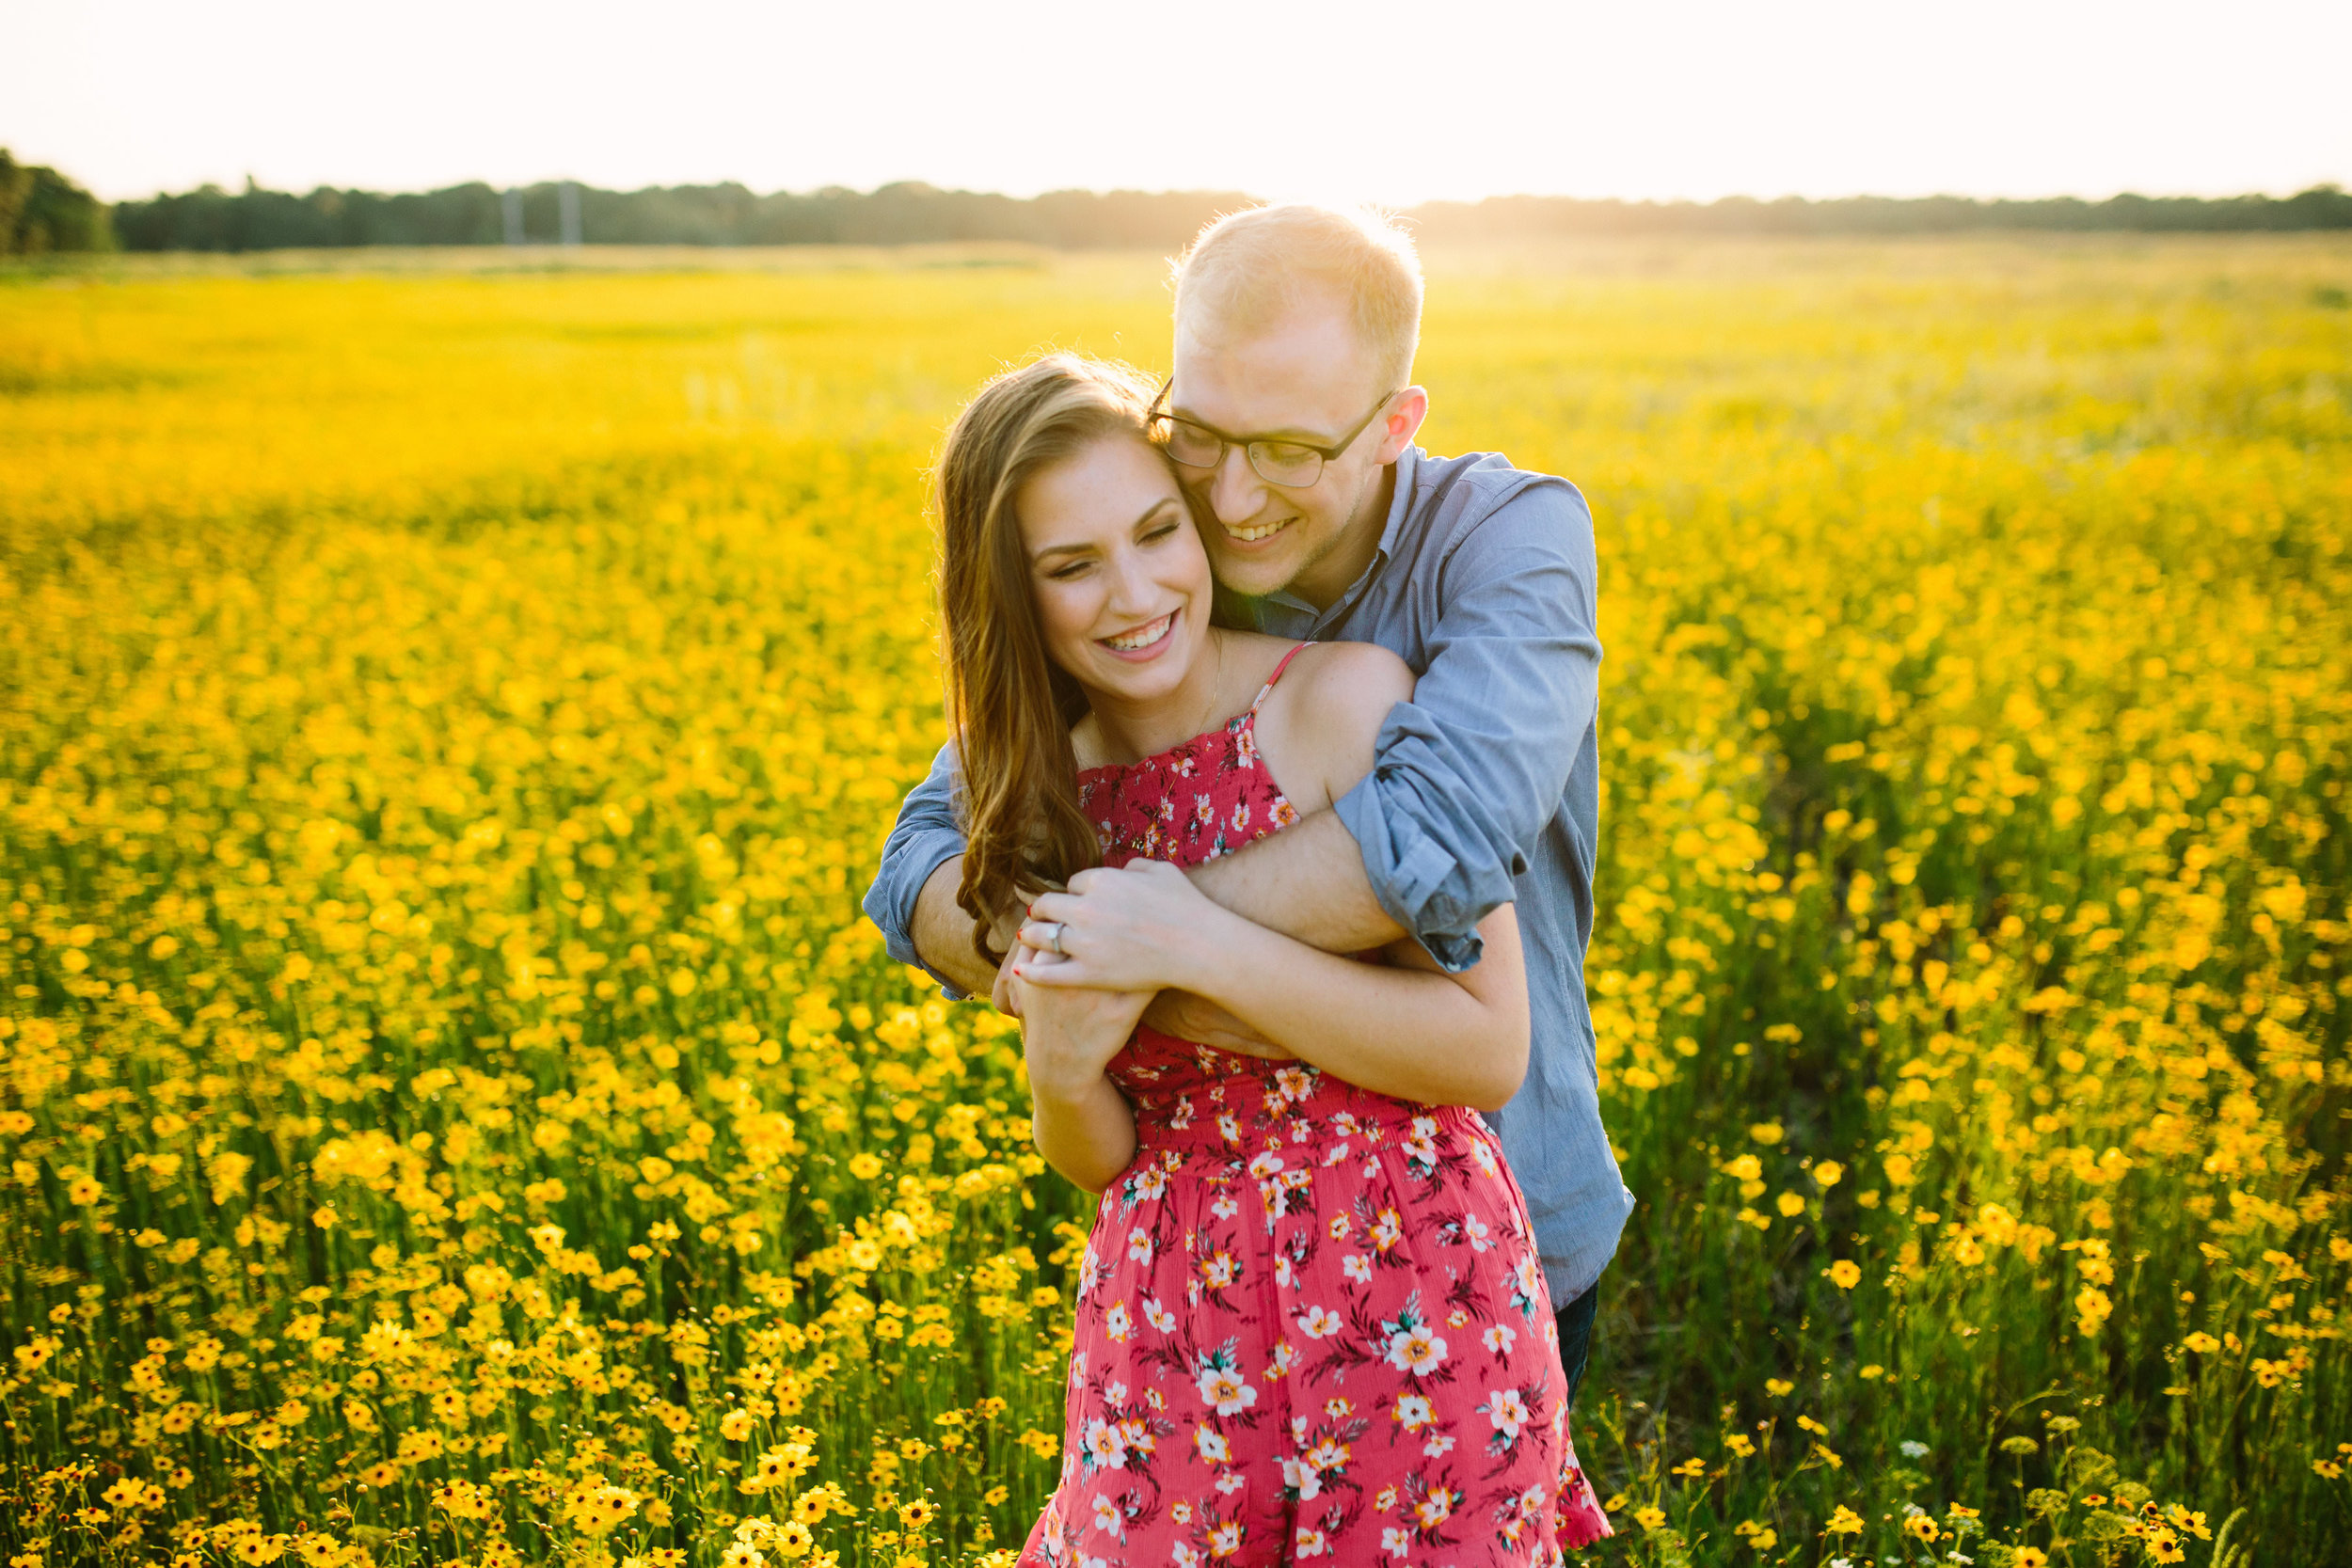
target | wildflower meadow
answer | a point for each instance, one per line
(453, 1114)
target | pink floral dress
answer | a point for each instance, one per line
(1311, 1324)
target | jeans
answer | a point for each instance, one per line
(1576, 1338)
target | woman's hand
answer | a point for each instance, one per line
(1068, 1033)
(1144, 927)
(1083, 1125)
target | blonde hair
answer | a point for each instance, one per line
(1248, 266)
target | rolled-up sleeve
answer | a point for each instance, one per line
(1469, 772)
(925, 835)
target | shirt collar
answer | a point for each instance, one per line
(1400, 506)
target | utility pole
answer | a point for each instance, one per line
(568, 210)
(510, 210)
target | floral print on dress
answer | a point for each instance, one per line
(1310, 1323)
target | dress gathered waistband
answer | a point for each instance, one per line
(1185, 1124)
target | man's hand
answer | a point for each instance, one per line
(1187, 1016)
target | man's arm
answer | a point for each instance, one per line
(914, 895)
(1468, 771)
(1308, 882)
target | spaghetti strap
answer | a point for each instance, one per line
(1267, 689)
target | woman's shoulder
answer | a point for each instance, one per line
(1325, 712)
(1338, 669)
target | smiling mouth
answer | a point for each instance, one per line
(1249, 534)
(1143, 636)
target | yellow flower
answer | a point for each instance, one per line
(736, 1425)
(1845, 1274)
(1649, 1518)
(1845, 1521)
(1828, 1173)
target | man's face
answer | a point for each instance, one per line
(1302, 375)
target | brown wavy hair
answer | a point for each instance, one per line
(1009, 705)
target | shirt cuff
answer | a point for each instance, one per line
(891, 903)
(1408, 870)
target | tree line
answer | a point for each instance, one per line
(39, 210)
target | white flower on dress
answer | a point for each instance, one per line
(1437, 1448)
(1301, 1478)
(1508, 1409)
(1320, 1324)
(1501, 1337)
(1337, 1409)
(1311, 1543)
(1157, 1316)
(1225, 1391)
(1356, 1267)
(1212, 1445)
(1104, 1444)
(1416, 1348)
(1139, 1246)
(1106, 1517)
(1396, 1542)
(1118, 1323)
(1413, 1412)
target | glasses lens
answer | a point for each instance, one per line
(1190, 445)
(1285, 463)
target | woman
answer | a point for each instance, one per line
(1309, 1320)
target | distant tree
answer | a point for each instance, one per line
(210, 218)
(41, 211)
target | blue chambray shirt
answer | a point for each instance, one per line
(1486, 790)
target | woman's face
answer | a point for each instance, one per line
(1121, 582)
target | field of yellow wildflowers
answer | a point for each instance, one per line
(452, 1111)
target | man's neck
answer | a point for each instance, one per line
(1325, 579)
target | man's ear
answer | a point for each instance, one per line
(1404, 422)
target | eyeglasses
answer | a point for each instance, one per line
(1292, 464)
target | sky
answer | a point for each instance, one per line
(1368, 101)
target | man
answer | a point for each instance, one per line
(1291, 416)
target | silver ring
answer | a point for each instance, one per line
(1053, 941)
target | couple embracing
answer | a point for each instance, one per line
(1269, 808)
